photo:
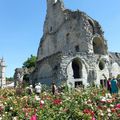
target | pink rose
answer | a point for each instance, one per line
(34, 117)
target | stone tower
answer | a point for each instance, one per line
(2, 73)
(72, 49)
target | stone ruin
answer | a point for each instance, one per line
(73, 49)
(19, 75)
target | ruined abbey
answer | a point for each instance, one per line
(73, 49)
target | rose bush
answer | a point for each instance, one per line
(78, 104)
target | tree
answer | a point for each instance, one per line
(30, 65)
(30, 62)
(9, 79)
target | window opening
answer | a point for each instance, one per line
(77, 48)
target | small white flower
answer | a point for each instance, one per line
(103, 99)
(102, 114)
(76, 102)
(14, 118)
(11, 108)
(109, 114)
(37, 98)
(111, 105)
(108, 110)
(42, 102)
(89, 100)
(108, 95)
(5, 103)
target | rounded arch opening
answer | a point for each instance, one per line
(77, 68)
(99, 46)
(101, 65)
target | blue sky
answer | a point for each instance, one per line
(21, 26)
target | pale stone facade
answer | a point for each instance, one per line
(2, 73)
(73, 49)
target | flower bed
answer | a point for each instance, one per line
(83, 104)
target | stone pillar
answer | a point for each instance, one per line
(2, 73)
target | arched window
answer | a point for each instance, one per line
(98, 46)
(77, 48)
(101, 65)
(77, 68)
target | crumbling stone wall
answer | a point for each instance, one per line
(48, 69)
(73, 49)
(73, 28)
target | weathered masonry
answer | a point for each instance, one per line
(73, 49)
(2, 73)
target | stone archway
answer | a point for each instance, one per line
(77, 68)
(99, 46)
(77, 72)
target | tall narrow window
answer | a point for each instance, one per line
(77, 48)
(77, 68)
(51, 29)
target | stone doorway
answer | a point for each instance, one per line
(76, 72)
(77, 69)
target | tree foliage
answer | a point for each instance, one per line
(9, 78)
(30, 62)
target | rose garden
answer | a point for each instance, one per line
(91, 103)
